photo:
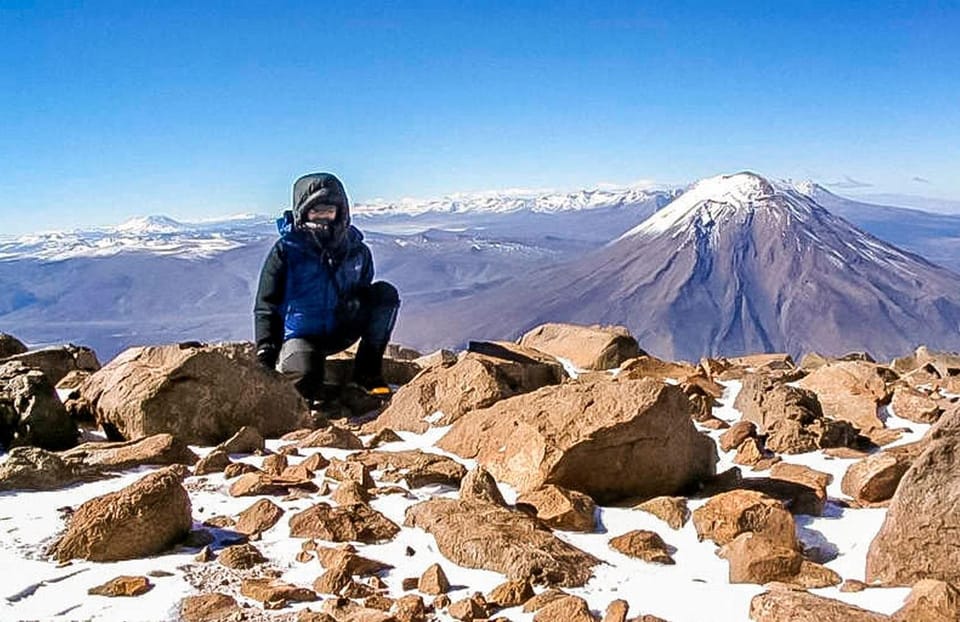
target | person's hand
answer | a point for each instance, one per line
(267, 356)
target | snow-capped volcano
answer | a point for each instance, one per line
(736, 264)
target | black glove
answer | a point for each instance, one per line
(267, 356)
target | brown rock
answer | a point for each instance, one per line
(200, 394)
(647, 366)
(32, 468)
(308, 615)
(482, 535)
(875, 478)
(246, 440)
(511, 594)
(347, 556)
(616, 611)
(122, 586)
(852, 585)
(609, 440)
(562, 509)
(712, 423)
(645, 545)
(259, 483)
(274, 464)
(214, 462)
(911, 544)
(73, 380)
(214, 607)
(315, 462)
(737, 434)
(159, 449)
(56, 362)
(384, 436)
(587, 347)
(755, 559)
(350, 493)
(268, 590)
(566, 609)
(729, 514)
(333, 580)
(799, 474)
(346, 610)
(489, 378)
(798, 498)
(350, 471)
(671, 510)
(30, 411)
(355, 523)
(298, 472)
(10, 346)
(814, 576)
(434, 581)
(440, 602)
(851, 391)
(384, 603)
(479, 485)
(472, 608)
(930, 601)
(542, 599)
(780, 605)
(333, 437)
(259, 517)
(410, 608)
(142, 519)
(914, 405)
(417, 468)
(241, 557)
(749, 453)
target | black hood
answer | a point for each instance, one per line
(318, 188)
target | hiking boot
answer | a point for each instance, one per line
(376, 386)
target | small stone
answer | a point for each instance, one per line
(315, 462)
(349, 493)
(205, 555)
(434, 581)
(236, 469)
(267, 590)
(410, 583)
(259, 517)
(737, 434)
(241, 557)
(511, 594)
(852, 585)
(247, 440)
(122, 586)
(616, 611)
(274, 464)
(671, 510)
(214, 462)
(441, 602)
(643, 544)
(384, 436)
(209, 608)
(472, 608)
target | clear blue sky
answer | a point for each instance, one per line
(194, 109)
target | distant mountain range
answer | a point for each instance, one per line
(155, 279)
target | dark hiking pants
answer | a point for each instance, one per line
(372, 321)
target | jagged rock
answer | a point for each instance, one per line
(875, 478)
(645, 545)
(852, 585)
(259, 483)
(350, 471)
(511, 594)
(384, 436)
(274, 464)
(30, 411)
(755, 559)
(479, 485)
(73, 380)
(236, 469)
(410, 608)
(671, 510)
(587, 347)
(346, 555)
(214, 462)
(616, 611)
(271, 590)
(214, 607)
(609, 440)
(142, 519)
(315, 462)
(737, 434)
(930, 601)
(482, 535)
(159, 449)
(787, 605)
(543, 599)
(32, 468)
(564, 509)
(436, 396)
(350, 493)
(694, 381)
(566, 609)
(911, 544)
(851, 391)
(297, 471)
(57, 361)
(797, 498)
(10, 345)
(417, 468)
(333, 437)
(914, 405)
(241, 557)
(815, 576)
(201, 394)
(943, 363)
(474, 607)
(246, 440)
(355, 523)
(122, 586)
(750, 453)
(816, 481)
(727, 515)
(434, 581)
(259, 517)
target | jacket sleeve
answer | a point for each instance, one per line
(366, 273)
(267, 312)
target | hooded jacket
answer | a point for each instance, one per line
(305, 287)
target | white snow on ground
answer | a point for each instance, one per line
(693, 590)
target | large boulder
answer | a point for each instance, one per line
(587, 347)
(159, 449)
(200, 393)
(32, 468)
(787, 605)
(30, 411)
(851, 391)
(145, 518)
(442, 394)
(729, 514)
(58, 361)
(476, 534)
(930, 601)
(609, 440)
(912, 543)
(10, 345)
